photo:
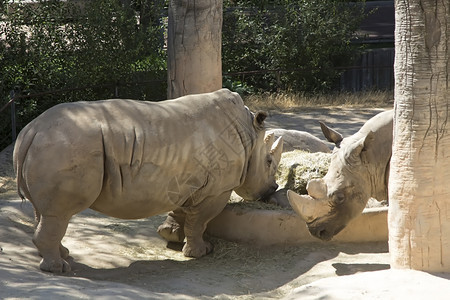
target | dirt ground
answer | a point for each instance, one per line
(127, 260)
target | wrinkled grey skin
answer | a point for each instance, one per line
(359, 170)
(135, 159)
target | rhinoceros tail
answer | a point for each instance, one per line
(23, 143)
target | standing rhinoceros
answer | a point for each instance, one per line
(359, 170)
(134, 159)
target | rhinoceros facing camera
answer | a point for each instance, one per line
(358, 170)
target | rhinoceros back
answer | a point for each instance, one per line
(132, 159)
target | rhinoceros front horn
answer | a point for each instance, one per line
(308, 208)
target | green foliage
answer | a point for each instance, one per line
(238, 86)
(306, 39)
(57, 45)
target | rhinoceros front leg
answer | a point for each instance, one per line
(197, 217)
(172, 230)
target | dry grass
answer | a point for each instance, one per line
(247, 204)
(283, 101)
(298, 167)
(7, 177)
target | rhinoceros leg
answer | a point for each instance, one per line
(62, 250)
(197, 217)
(47, 238)
(172, 230)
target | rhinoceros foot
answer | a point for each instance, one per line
(171, 230)
(63, 251)
(198, 249)
(54, 265)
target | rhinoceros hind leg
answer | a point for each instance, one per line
(55, 266)
(172, 230)
(63, 251)
(197, 219)
(47, 238)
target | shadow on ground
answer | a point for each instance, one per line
(111, 252)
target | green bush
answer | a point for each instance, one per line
(55, 45)
(305, 39)
(59, 45)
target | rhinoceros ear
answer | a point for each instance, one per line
(358, 151)
(368, 142)
(330, 134)
(258, 121)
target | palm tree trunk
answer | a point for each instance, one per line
(194, 47)
(419, 183)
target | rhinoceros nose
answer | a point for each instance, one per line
(272, 189)
(275, 187)
(321, 233)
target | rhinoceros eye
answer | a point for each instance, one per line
(269, 161)
(338, 198)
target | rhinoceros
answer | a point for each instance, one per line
(359, 170)
(299, 140)
(135, 159)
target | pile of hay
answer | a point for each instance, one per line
(298, 167)
(295, 170)
(7, 176)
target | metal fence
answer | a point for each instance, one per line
(373, 70)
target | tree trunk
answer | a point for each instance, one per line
(419, 183)
(194, 47)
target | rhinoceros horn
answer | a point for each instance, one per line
(317, 188)
(276, 150)
(307, 207)
(268, 140)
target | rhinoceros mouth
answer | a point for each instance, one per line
(265, 196)
(323, 232)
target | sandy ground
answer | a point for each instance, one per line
(125, 259)
(346, 120)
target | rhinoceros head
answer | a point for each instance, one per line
(358, 169)
(259, 180)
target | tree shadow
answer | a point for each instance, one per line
(351, 268)
(441, 275)
(236, 270)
